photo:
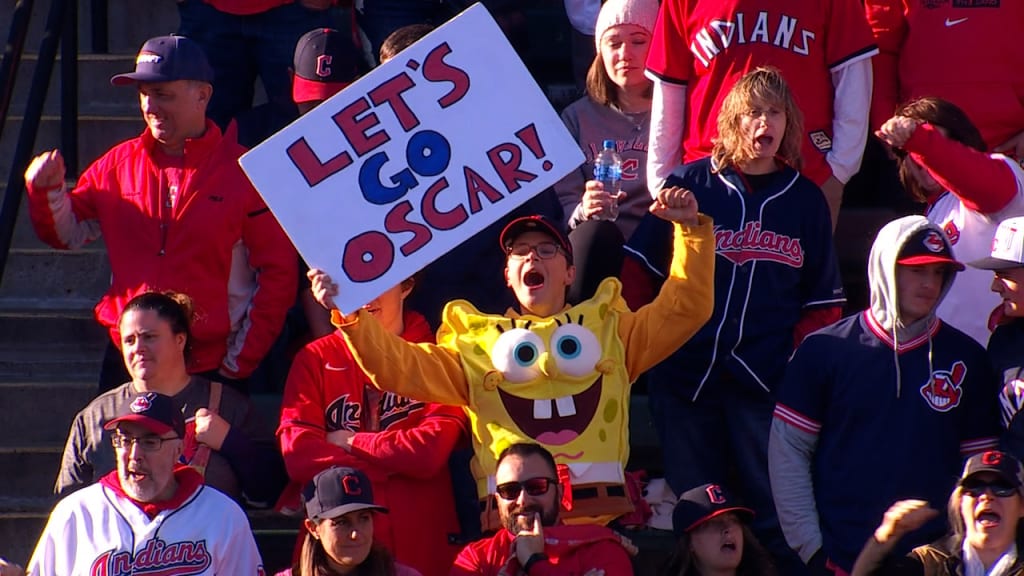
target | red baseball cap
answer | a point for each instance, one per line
(538, 223)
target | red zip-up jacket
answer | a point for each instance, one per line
(571, 550)
(406, 458)
(246, 7)
(214, 240)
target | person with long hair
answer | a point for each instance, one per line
(617, 107)
(714, 537)
(224, 437)
(776, 280)
(338, 529)
(943, 162)
(985, 536)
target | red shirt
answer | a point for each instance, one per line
(707, 45)
(571, 551)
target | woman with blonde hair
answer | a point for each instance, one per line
(776, 280)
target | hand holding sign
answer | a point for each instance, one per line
(323, 288)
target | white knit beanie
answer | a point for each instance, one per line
(643, 13)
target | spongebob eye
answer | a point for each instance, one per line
(515, 355)
(576, 350)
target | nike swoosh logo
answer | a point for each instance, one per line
(333, 368)
(951, 23)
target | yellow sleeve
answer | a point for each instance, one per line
(425, 372)
(685, 302)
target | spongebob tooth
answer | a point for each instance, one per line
(566, 407)
(542, 409)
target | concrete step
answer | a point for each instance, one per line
(25, 236)
(54, 363)
(130, 23)
(35, 470)
(51, 275)
(44, 411)
(22, 521)
(21, 326)
(96, 134)
(95, 94)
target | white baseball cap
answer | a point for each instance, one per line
(1007, 247)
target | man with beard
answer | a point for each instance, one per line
(151, 515)
(531, 539)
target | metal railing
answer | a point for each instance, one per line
(61, 31)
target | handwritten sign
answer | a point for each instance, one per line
(413, 159)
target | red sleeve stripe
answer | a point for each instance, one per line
(794, 418)
(971, 447)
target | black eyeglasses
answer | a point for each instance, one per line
(146, 443)
(999, 488)
(534, 487)
(543, 250)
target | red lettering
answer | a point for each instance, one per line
(350, 484)
(356, 129)
(509, 171)
(396, 222)
(390, 93)
(368, 256)
(435, 218)
(435, 69)
(311, 168)
(476, 185)
(992, 458)
(715, 494)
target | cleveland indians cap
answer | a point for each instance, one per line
(165, 59)
(1006, 466)
(927, 246)
(325, 62)
(1007, 247)
(537, 223)
(153, 411)
(338, 491)
(698, 505)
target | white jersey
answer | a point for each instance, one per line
(96, 532)
(970, 300)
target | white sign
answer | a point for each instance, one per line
(413, 158)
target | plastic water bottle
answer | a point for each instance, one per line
(608, 171)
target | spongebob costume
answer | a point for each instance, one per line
(561, 381)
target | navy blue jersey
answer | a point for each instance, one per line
(885, 434)
(775, 259)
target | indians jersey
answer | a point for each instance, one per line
(707, 45)
(890, 424)
(774, 260)
(97, 532)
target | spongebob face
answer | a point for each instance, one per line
(558, 381)
(549, 414)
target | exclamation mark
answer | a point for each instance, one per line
(528, 136)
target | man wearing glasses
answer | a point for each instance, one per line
(548, 372)
(531, 539)
(151, 515)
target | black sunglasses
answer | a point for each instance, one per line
(534, 487)
(999, 488)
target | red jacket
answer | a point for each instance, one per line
(406, 458)
(246, 7)
(217, 242)
(571, 550)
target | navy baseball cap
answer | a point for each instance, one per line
(698, 505)
(153, 411)
(165, 59)
(1000, 463)
(326, 61)
(927, 246)
(538, 223)
(338, 491)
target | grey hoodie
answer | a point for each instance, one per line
(790, 449)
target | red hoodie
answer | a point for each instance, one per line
(406, 457)
(571, 551)
(188, 482)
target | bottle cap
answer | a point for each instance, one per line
(608, 145)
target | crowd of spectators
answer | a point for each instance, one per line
(421, 437)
